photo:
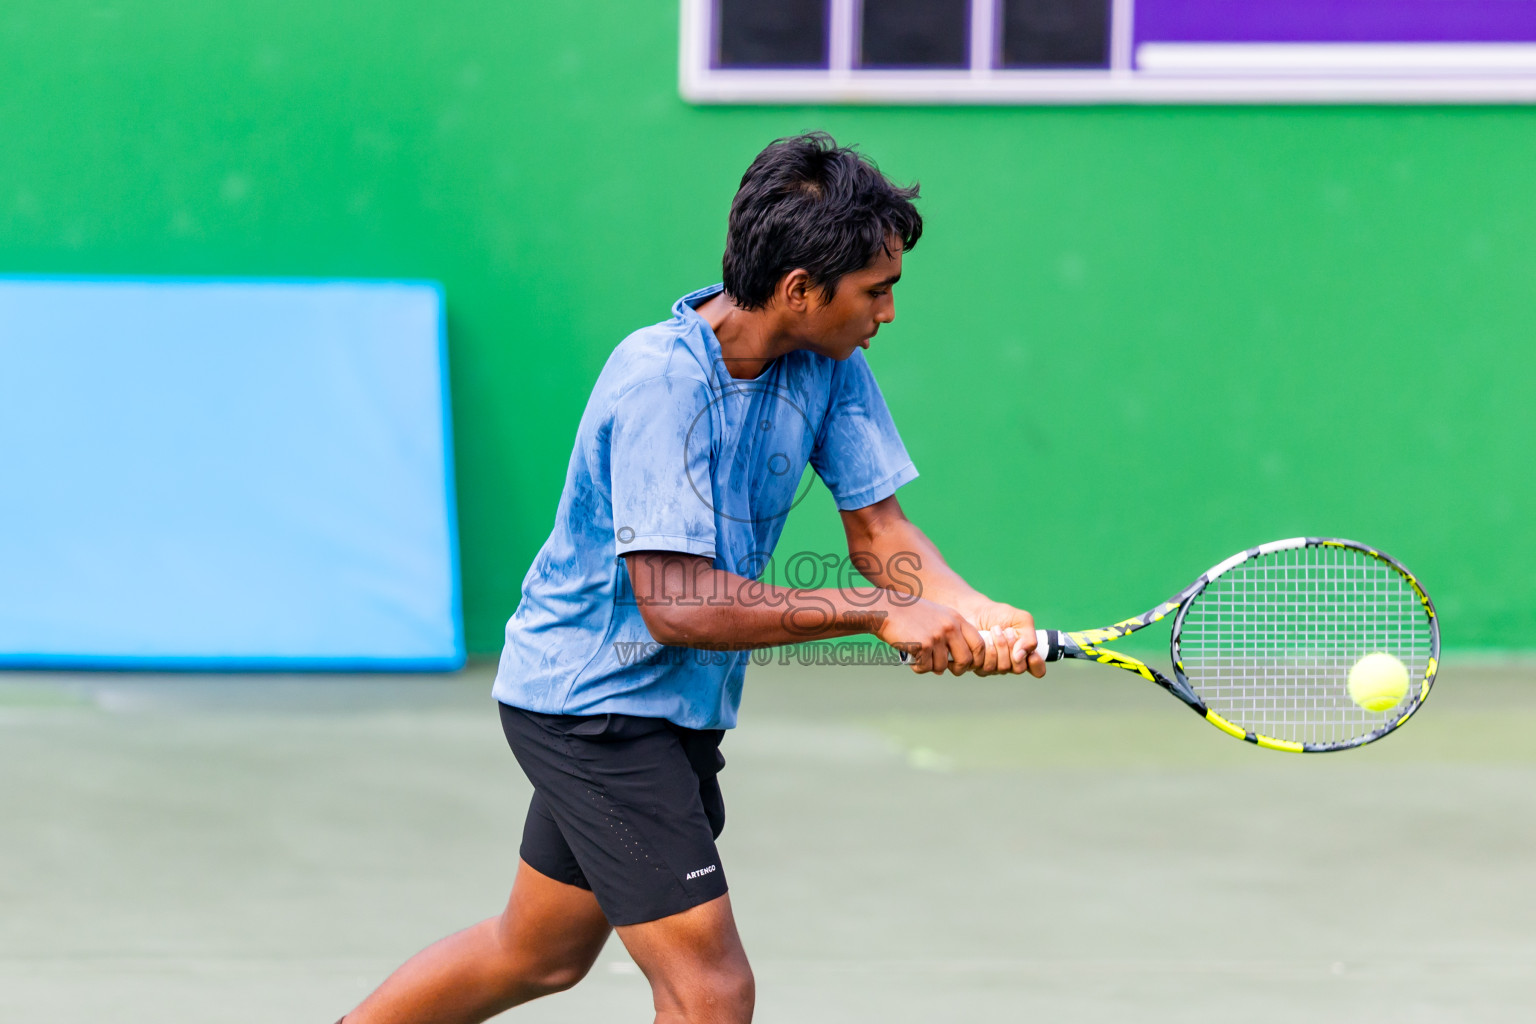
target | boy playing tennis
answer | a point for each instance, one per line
(686, 462)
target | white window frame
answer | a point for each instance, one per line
(1156, 73)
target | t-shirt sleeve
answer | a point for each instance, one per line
(658, 458)
(859, 454)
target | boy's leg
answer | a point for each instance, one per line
(696, 965)
(545, 941)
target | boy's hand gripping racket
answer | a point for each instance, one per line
(1308, 645)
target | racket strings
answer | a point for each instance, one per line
(1269, 644)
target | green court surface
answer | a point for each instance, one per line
(253, 848)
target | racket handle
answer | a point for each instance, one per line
(1047, 645)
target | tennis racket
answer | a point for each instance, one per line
(1263, 643)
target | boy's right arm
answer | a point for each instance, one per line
(686, 602)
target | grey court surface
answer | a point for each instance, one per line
(266, 848)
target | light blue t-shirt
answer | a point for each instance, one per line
(675, 454)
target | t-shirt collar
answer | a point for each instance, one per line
(685, 306)
(684, 310)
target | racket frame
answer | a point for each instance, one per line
(1086, 645)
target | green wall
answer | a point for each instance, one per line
(1131, 342)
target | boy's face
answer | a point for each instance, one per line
(849, 319)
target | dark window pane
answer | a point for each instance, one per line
(772, 33)
(1056, 33)
(915, 33)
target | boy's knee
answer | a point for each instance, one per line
(740, 992)
(547, 980)
(727, 994)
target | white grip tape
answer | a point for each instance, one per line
(1043, 644)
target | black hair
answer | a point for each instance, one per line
(808, 203)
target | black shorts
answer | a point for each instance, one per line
(624, 806)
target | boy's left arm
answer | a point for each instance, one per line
(891, 552)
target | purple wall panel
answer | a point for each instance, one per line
(1336, 21)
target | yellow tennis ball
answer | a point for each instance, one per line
(1378, 681)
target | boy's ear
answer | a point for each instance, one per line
(795, 290)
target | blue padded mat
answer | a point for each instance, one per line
(236, 475)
